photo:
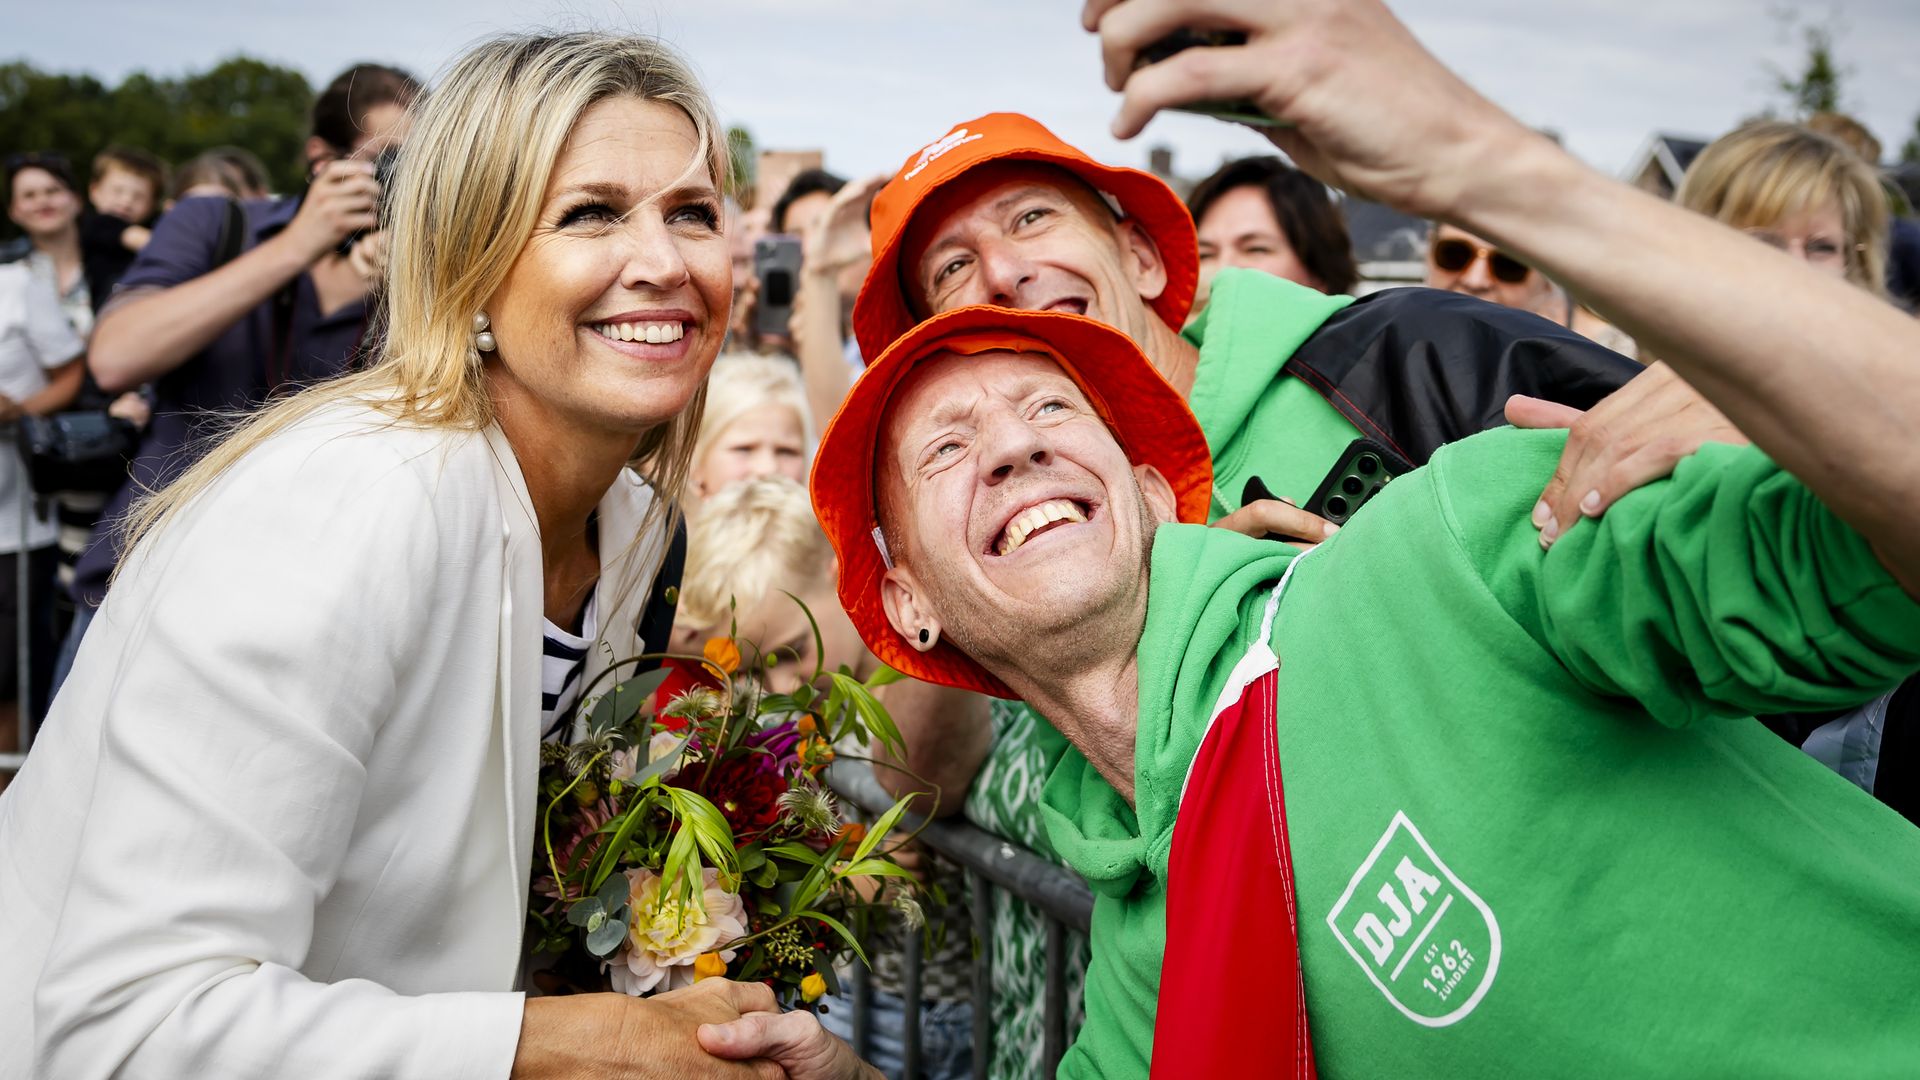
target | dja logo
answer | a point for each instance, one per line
(1426, 941)
(932, 151)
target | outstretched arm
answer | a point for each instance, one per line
(1817, 372)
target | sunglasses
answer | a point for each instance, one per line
(1454, 256)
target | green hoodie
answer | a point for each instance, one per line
(1257, 421)
(1636, 879)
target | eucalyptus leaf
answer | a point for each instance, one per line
(607, 938)
(583, 912)
(613, 893)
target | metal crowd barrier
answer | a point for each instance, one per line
(22, 612)
(991, 863)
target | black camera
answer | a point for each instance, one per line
(383, 167)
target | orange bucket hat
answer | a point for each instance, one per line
(882, 313)
(1146, 415)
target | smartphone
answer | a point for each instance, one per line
(1364, 468)
(776, 263)
(1241, 112)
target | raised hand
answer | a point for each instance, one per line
(1634, 436)
(1372, 111)
(342, 200)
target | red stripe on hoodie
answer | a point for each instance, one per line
(1229, 882)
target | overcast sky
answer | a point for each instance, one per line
(869, 81)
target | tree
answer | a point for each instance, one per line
(243, 102)
(1911, 151)
(1817, 87)
(741, 150)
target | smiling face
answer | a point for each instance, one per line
(768, 441)
(1532, 292)
(613, 312)
(1016, 521)
(1031, 236)
(1239, 229)
(41, 205)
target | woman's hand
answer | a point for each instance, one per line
(795, 1040)
(1632, 437)
(626, 1038)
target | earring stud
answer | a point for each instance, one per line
(924, 635)
(483, 340)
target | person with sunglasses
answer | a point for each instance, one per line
(1458, 261)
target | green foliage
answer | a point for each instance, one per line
(745, 158)
(1910, 151)
(241, 102)
(798, 877)
(1816, 87)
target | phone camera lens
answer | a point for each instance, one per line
(1336, 507)
(1368, 464)
(1351, 485)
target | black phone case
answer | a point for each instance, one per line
(1364, 468)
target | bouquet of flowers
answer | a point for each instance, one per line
(687, 833)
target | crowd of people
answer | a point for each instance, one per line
(386, 470)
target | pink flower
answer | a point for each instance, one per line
(665, 937)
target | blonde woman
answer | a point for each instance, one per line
(281, 821)
(756, 424)
(1797, 190)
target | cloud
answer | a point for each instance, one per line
(867, 80)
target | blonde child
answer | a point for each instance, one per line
(756, 424)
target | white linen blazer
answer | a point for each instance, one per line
(281, 818)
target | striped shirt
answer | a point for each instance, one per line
(563, 661)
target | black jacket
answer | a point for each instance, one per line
(1416, 369)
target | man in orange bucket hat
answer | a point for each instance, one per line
(1494, 815)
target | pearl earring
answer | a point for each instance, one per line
(482, 339)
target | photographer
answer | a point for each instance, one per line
(233, 302)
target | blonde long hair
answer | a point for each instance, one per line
(1761, 173)
(743, 383)
(464, 200)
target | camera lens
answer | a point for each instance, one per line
(1368, 465)
(1351, 485)
(1336, 507)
